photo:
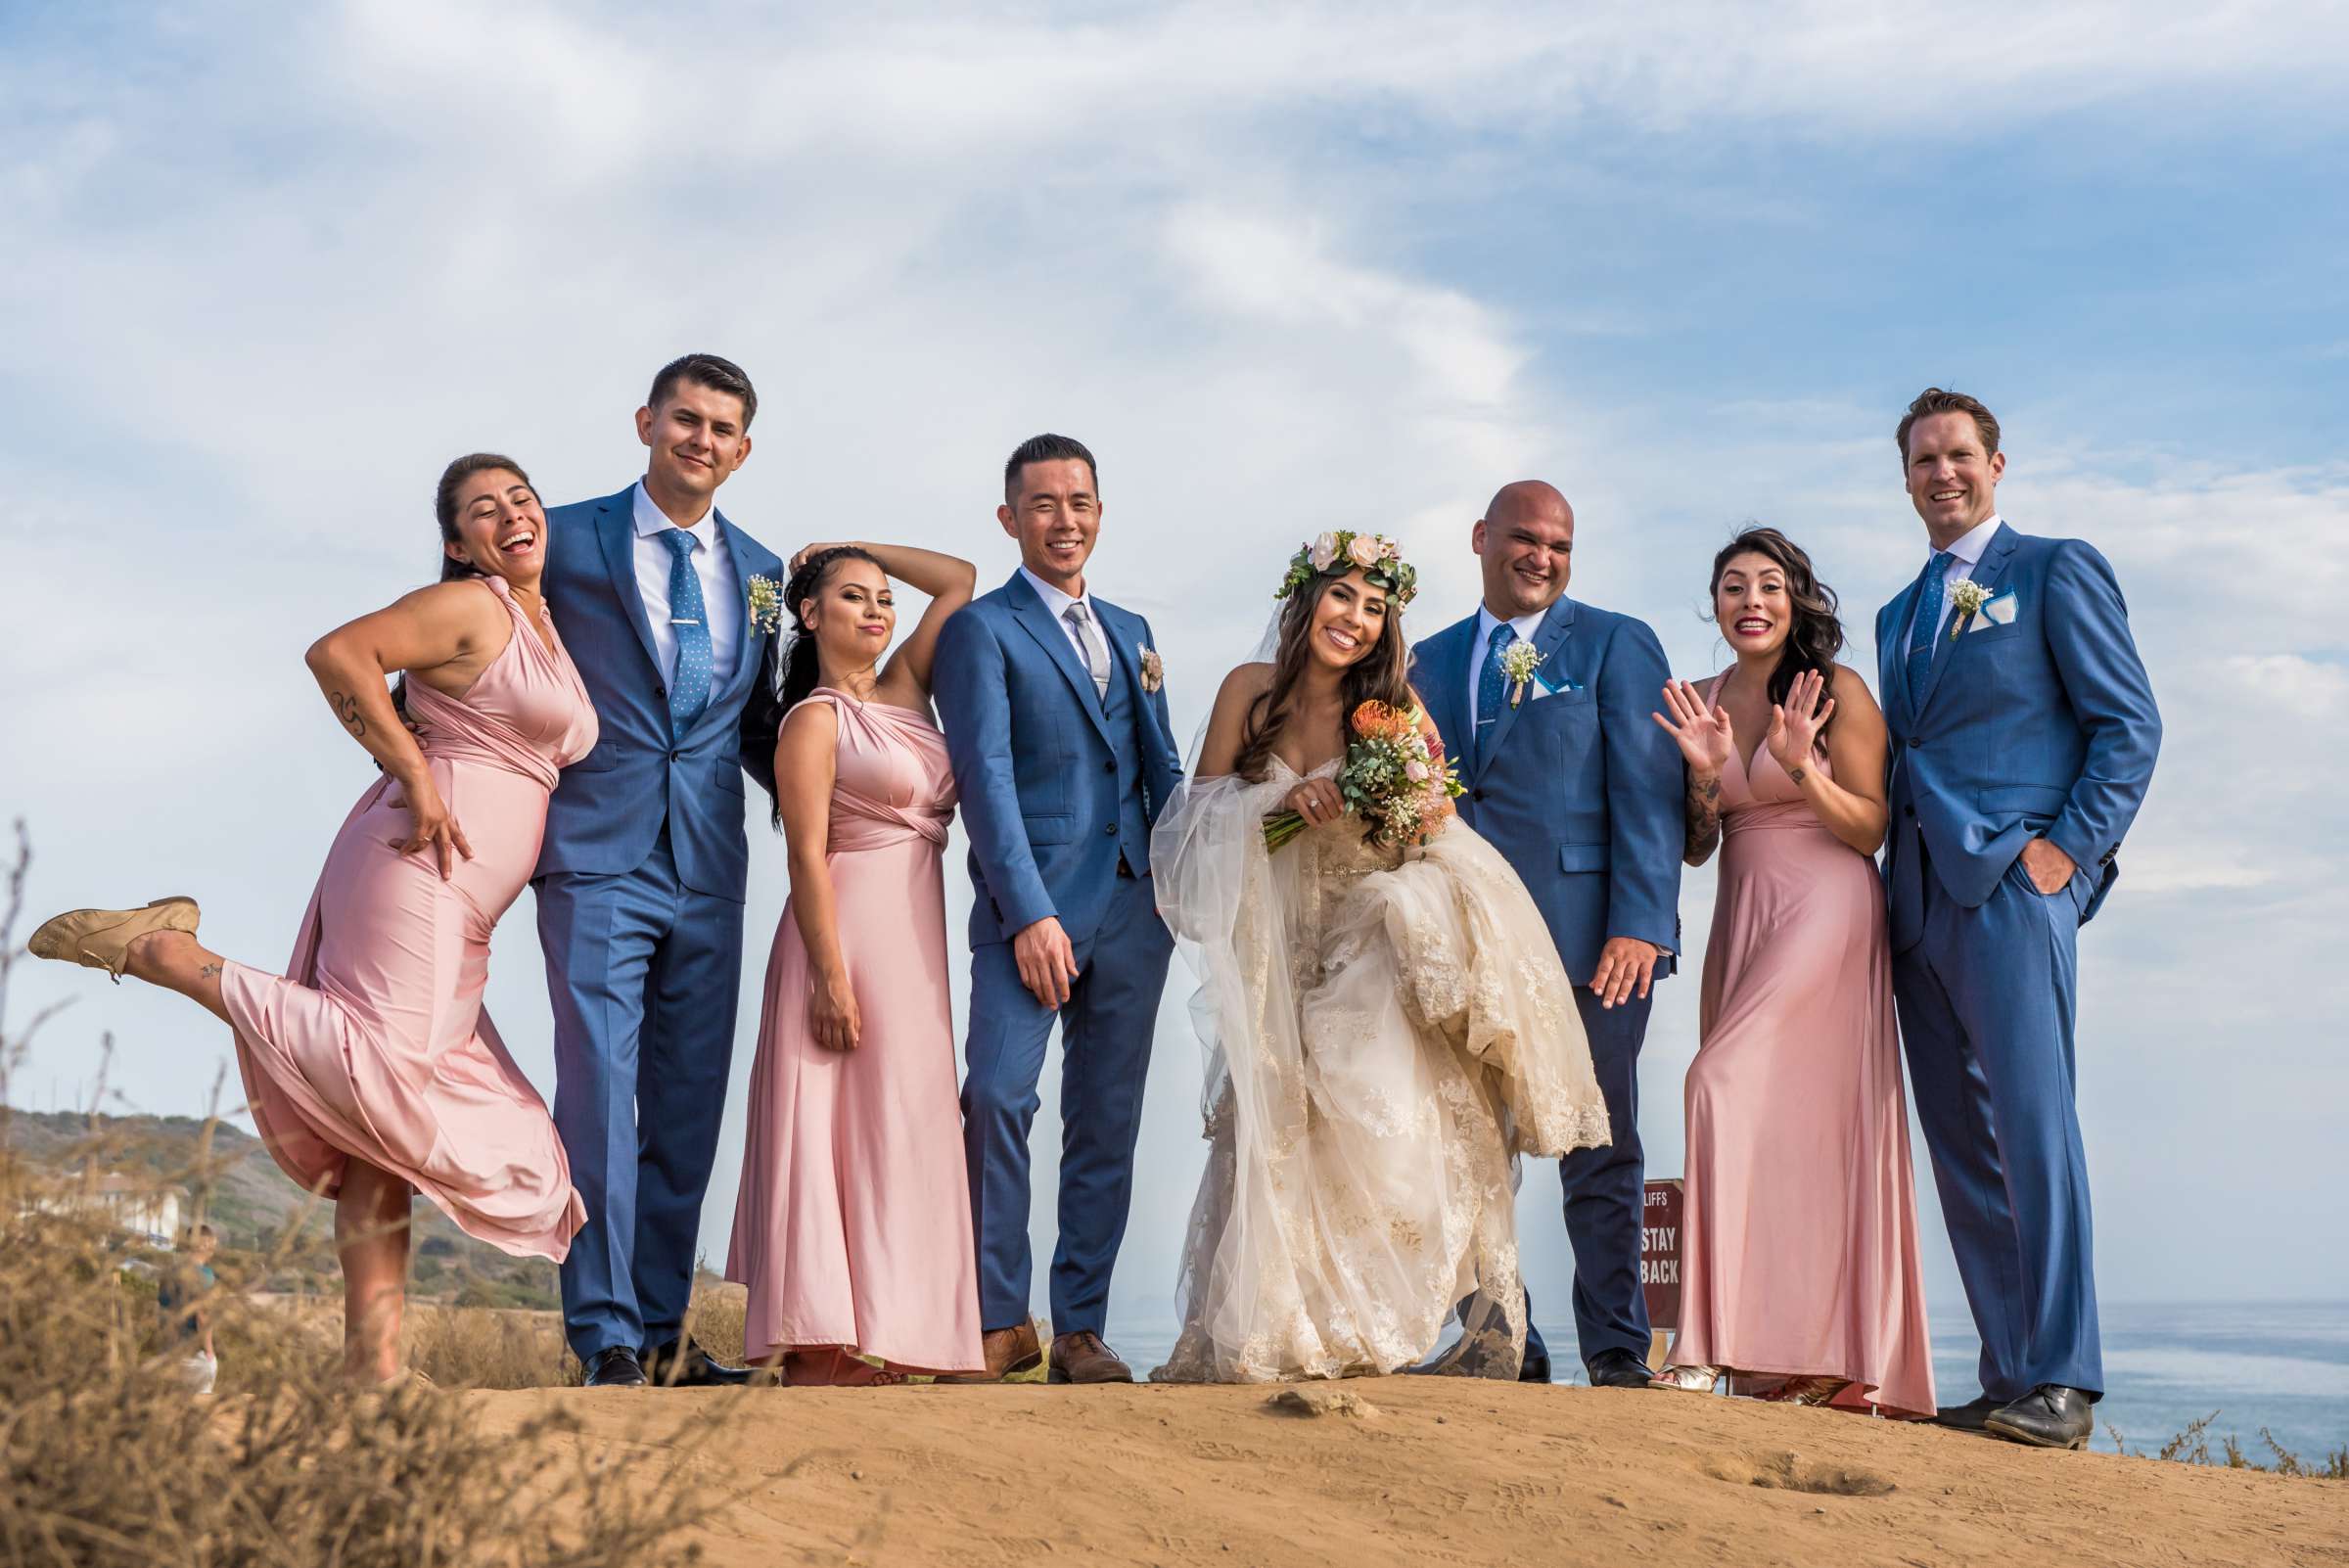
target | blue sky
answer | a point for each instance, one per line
(269, 266)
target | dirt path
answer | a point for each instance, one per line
(1435, 1472)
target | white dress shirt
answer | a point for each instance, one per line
(722, 598)
(1486, 621)
(1967, 550)
(1056, 603)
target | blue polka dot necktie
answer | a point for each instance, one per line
(1489, 684)
(1927, 623)
(689, 684)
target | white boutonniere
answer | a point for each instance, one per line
(1967, 599)
(1154, 668)
(1518, 661)
(765, 604)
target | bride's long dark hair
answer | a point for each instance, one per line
(1383, 674)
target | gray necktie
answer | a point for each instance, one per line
(1096, 658)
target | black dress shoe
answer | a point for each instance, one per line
(1535, 1368)
(614, 1366)
(1617, 1369)
(681, 1363)
(1969, 1417)
(2049, 1416)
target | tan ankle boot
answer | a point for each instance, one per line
(101, 939)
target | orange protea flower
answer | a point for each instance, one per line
(1379, 720)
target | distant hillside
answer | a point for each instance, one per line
(273, 1235)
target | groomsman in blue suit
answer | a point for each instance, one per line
(640, 882)
(2023, 738)
(1571, 779)
(1063, 751)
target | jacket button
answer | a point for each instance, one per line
(1110, 766)
(1111, 831)
(1916, 740)
(1907, 810)
(673, 756)
(1476, 794)
(660, 691)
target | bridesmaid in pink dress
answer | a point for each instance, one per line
(371, 1069)
(1800, 1274)
(853, 1229)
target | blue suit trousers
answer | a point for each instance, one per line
(1606, 1190)
(1106, 1031)
(1987, 1000)
(645, 974)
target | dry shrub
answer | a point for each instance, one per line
(107, 1460)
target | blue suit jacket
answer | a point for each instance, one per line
(2041, 726)
(607, 811)
(1041, 781)
(1581, 790)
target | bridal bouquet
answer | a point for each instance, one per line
(1393, 778)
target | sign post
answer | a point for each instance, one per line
(1660, 1264)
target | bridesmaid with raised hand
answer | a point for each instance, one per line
(853, 1228)
(1800, 1271)
(371, 1069)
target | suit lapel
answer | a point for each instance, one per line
(1557, 627)
(1989, 573)
(1054, 638)
(744, 632)
(616, 530)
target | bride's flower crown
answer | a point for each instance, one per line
(1379, 559)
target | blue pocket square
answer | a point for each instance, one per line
(1547, 684)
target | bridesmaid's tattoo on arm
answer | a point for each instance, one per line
(206, 971)
(1703, 813)
(1797, 775)
(347, 709)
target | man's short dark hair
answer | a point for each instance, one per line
(1047, 449)
(705, 370)
(1933, 400)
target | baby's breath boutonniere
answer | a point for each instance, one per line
(1967, 599)
(766, 605)
(1518, 661)
(1154, 668)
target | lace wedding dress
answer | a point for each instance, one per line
(1386, 1031)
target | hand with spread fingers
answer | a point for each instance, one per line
(434, 827)
(1795, 724)
(1701, 730)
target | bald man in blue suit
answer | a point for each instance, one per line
(2024, 733)
(1576, 785)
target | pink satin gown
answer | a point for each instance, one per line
(853, 1227)
(374, 1046)
(1800, 1241)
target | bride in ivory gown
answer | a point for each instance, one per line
(1386, 1027)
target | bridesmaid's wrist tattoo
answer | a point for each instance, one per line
(347, 709)
(206, 971)
(1797, 774)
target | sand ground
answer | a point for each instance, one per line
(1433, 1472)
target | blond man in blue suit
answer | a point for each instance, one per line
(2023, 738)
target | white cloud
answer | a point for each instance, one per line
(264, 280)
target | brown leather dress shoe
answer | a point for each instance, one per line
(1007, 1351)
(1082, 1357)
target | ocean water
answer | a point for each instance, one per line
(2281, 1365)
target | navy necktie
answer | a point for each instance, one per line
(689, 686)
(1489, 685)
(1922, 630)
